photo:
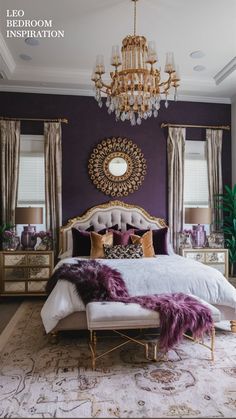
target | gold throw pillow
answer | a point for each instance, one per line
(146, 242)
(97, 243)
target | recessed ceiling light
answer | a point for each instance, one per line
(199, 68)
(25, 57)
(32, 41)
(197, 54)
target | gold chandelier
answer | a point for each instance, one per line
(136, 90)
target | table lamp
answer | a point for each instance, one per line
(198, 216)
(29, 215)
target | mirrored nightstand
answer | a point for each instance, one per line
(25, 272)
(216, 258)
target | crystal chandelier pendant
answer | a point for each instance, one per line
(136, 88)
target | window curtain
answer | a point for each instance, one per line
(53, 180)
(214, 164)
(9, 160)
(175, 155)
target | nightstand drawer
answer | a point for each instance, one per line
(37, 273)
(38, 260)
(219, 266)
(13, 260)
(37, 286)
(212, 257)
(14, 287)
(15, 274)
(200, 257)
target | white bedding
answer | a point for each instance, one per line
(158, 275)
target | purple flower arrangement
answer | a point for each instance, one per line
(44, 235)
(8, 235)
(9, 240)
(189, 232)
(46, 240)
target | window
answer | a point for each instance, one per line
(196, 192)
(31, 187)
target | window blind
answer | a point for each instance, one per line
(31, 188)
(196, 175)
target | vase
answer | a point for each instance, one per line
(28, 237)
(198, 236)
(11, 244)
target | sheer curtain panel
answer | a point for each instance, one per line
(53, 179)
(214, 164)
(175, 154)
(9, 159)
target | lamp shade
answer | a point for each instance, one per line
(29, 215)
(197, 215)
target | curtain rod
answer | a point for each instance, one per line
(226, 127)
(63, 120)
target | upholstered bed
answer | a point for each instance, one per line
(64, 311)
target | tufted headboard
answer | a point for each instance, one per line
(107, 215)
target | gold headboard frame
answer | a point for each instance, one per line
(105, 215)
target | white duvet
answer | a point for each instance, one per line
(158, 275)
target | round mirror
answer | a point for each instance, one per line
(118, 166)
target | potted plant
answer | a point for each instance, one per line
(227, 203)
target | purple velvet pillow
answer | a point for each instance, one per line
(81, 241)
(122, 237)
(137, 230)
(159, 238)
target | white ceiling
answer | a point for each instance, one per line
(64, 65)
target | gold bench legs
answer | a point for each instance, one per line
(154, 357)
(212, 342)
(93, 343)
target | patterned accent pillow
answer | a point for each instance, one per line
(131, 251)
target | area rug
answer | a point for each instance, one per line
(43, 380)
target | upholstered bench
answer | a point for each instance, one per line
(118, 316)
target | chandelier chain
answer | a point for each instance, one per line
(135, 14)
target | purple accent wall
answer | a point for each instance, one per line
(88, 125)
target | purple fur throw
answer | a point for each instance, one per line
(178, 312)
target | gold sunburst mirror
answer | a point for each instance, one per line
(117, 166)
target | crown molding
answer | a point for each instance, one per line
(46, 90)
(225, 71)
(7, 57)
(71, 91)
(204, 99)
(233, 99)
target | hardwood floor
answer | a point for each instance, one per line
(8, 307)
(232, 280)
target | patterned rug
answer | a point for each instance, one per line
(42, 380)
